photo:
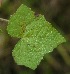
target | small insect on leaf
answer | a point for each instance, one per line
(38, 38)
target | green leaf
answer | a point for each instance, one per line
(19, 20)
(38, 37)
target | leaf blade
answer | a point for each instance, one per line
(39, 38)
(19, 20)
